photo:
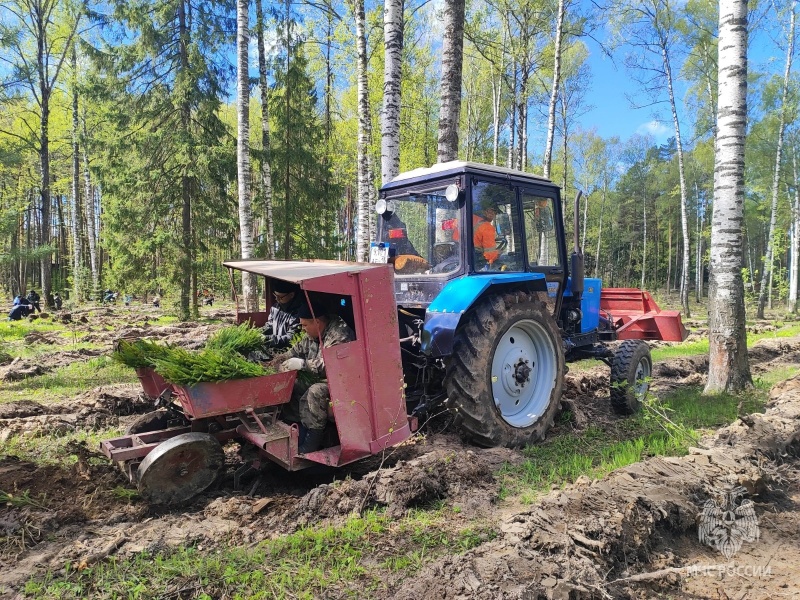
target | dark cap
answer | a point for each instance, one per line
(284, 287)
(304, 312)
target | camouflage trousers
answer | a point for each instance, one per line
(309, 405)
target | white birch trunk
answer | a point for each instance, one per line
(76, 179)
(766, 276)
(266, 167)
(452, 63)
(89, 207)
(682, 178)
(364, 200)
(390, 123)
(249, 287)
(795, 247)
(729, 369)
(644, 239)
(551, 111)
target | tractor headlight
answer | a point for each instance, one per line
(451, 192)
(384, 206)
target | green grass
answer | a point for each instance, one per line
(67, 382)
(349, 559)
(597, 451)
(701, 346)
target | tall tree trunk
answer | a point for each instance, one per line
(729, 369)
(90, 215)
(76, 177)
(767, 271)
(452, 63)
(266, 172)
(682, 178)
(186, 194)
(795, 229)
(44, 160)
(392, 77)
(364, 129)
(249, 285)
(522, 104)
(644, 239)
(551, 111)
(287, 212)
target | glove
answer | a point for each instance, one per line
(269, 341)
(293, 364)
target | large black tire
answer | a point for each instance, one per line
(505, 375)
(152, 421)
(631, 369)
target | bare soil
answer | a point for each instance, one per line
(632, 534)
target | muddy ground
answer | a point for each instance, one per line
(632, 534)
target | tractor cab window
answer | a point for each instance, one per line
(496, 240)
(422, 228)
(540, 230)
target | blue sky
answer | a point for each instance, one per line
(613, 114)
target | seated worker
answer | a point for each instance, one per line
(484, 234)
(283, 323)
(309, 404)
(57, 301)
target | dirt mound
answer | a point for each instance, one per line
(590, 539)
(461, 477)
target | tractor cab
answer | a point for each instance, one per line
(459, 219)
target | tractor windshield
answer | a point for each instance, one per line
(423, 227)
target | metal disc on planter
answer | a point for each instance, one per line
(180, 468)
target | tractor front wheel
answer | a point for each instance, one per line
(631, 369)
(505, 375)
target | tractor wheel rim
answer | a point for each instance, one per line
(642, 379)
(523, 373)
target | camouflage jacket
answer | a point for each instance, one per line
(337, 332)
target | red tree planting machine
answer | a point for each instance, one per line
(441, 321)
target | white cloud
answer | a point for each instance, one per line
(655, 128)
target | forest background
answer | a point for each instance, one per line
(118, 134)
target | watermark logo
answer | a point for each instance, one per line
(728, 522)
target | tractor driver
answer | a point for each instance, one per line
(309, 403)
(484, 234)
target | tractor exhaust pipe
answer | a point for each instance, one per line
(576, 260)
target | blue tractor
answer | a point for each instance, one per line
(491, 306)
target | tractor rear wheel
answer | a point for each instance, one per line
(505, 375)
(180, 468)
(631, 369)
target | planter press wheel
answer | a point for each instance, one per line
(180, 468)
(506, 372)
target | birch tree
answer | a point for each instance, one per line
(729, 369)
(364, 137)
(76, 184)
(249, 287)
(266, 169)
(392, 71)
(452, 62)
(766, 274)
(551, 111)
(794, 250)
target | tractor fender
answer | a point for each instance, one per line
(445, 312)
